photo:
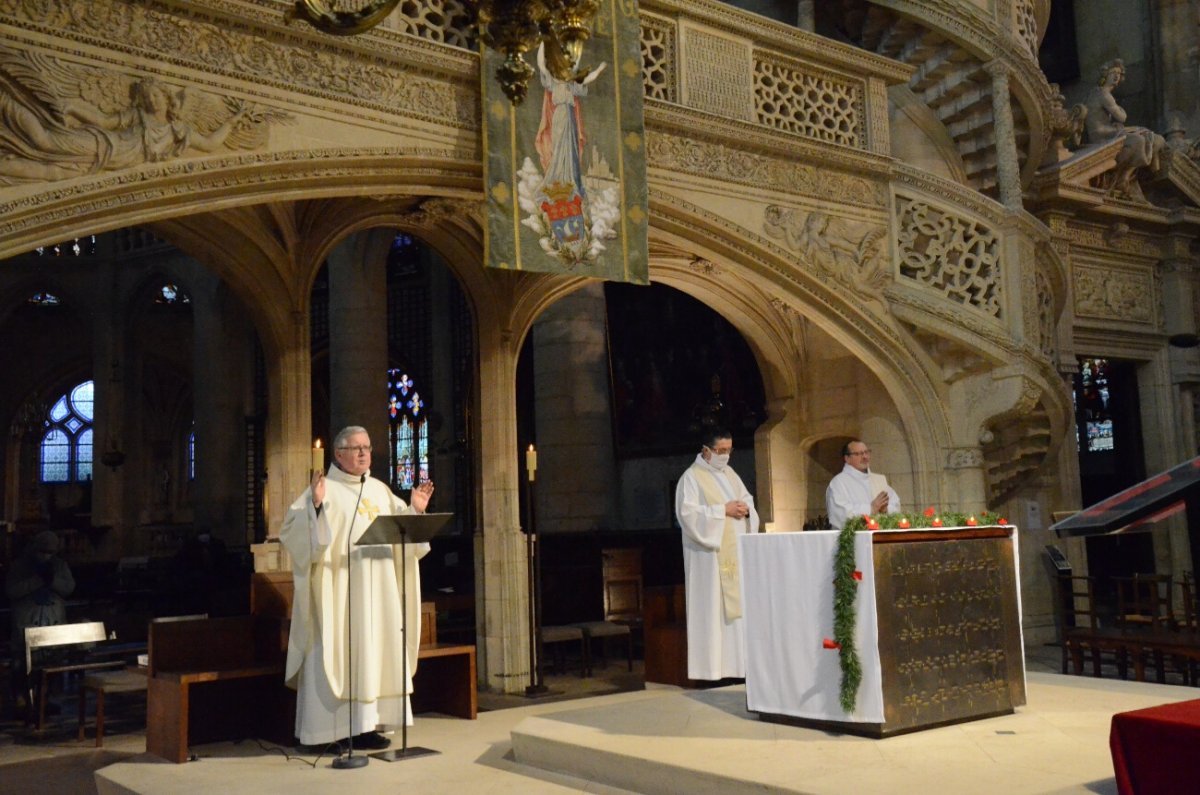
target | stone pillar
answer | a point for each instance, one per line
(108, 353)
(806, 15)
(289, 438)
(501, 590)
(574, 414)
(1008, 171)
(779, 467)
(358, 339)
(222, 372)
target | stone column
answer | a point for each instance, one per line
(574, 416)
(222, 373)
(1008, 172)
(289, 439)
(108, 353)
(779, 467)
(501, 590)
(806, 15)
(358, 339)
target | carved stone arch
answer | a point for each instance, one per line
(850, 317)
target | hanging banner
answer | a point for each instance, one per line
(566, 170)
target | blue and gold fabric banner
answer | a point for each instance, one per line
(565, 171)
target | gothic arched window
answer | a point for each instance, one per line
(408, 432)
(66, 448)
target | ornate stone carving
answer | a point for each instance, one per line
(202, 38)
(1045, 316)
(956, 256)
(443, 21)
(63, 120)
(807, 102)
(704, 266)
(1064, 128)
(1106, 121)
(848, 251)
(436, 210)
(722, 162)
(1025, 21)
(715, 77)
(964, 458)
(659, 58)
(1112, 294)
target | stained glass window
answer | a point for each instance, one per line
(1092, 405)
(43, 299)
(191, 454)
(171, 294)
(408, 451)
(67, 446)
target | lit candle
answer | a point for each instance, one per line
(318, 457)
(902, 524)
(937, 521)
(531, 461)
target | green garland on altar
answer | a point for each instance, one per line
(845, 584)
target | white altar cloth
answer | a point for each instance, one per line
(787, 603)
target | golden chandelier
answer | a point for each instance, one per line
(512, 27)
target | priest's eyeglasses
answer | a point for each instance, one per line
(360, 448)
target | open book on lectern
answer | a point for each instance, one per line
(404, 528)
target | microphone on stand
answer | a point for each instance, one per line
(350, 761)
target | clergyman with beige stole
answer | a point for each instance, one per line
(713, 508)
(333, 576)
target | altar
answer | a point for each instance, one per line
(938, 628)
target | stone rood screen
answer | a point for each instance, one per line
(565, 170)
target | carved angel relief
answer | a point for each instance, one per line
(60, 120)
(822, 243)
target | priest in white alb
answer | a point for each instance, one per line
(856, 490)
(347, 599)
(713, 508)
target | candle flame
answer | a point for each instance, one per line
(317, 445)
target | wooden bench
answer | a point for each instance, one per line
(217, 679)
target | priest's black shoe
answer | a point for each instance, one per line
(371, 741)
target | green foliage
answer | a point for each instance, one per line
(845, 586)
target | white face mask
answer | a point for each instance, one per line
(718, 462)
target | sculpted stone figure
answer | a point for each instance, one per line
(1106, 121)
(57, 123)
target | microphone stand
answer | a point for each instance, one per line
(350, 761)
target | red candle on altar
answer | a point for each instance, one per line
(903, 524)
(937, 521)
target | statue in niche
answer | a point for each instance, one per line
(59, 121)
(1106, 121)
(821, 244)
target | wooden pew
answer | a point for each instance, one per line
(217, 679)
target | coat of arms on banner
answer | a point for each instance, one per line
(566, 168)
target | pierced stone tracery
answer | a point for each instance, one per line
(957, 256)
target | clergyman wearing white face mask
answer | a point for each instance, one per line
(713, 507)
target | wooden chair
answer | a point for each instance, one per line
(558, 637)
(1144, 610)
(1075, 606)
(65, 637)
(133, 679)
(621, 580)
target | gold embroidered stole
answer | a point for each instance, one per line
(727, 557)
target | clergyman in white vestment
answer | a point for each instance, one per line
(319, 529)
(856, 490)
(713, 508)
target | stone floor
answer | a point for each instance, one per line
(479, 756)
